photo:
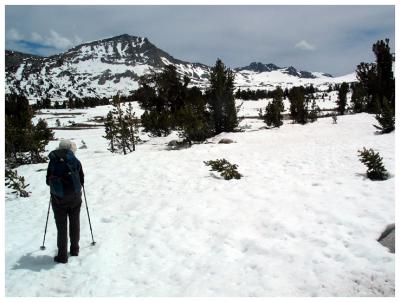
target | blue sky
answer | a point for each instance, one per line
(332, 39)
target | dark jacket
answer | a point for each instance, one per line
(61, 163)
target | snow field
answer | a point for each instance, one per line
(262, 80)
(303, 220)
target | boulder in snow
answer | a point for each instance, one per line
(388, 237)
(225, 141)
(176, 145)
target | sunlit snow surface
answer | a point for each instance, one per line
(303, 220)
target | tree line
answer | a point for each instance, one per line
(71, 103)
(257, 94)
(375, 91)
(24, 141)
(169, 104)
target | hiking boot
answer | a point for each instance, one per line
(74, 253)
(60, 260)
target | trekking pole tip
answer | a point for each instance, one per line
(42, 247)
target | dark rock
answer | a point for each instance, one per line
(388, 238)
(301, 74)
(177, 145)
(259, 67)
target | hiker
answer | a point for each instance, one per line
(65, 178)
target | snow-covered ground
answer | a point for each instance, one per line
(303, 220)
(250, 108)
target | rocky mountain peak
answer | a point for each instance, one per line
(259, 67)
(98, 68)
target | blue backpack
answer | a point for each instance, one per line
(64, 170)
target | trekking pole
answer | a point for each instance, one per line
(87, 210)
(45, 228)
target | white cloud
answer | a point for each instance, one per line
(35, 37)
(303, 44)
(54, 39)
(58, 41)
(14, 35)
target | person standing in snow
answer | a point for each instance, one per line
(65, 178)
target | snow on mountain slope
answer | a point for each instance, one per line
(109, 66)
(270, 79)
(268, 76)
(98, 69)
(303, 220)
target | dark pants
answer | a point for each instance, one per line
(66, 208)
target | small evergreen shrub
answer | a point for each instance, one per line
(17, 183)
(373, 161)
(227, 170)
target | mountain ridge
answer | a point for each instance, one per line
(105, 67)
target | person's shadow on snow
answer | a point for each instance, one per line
(34, 263)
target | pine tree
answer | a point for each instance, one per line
(47, 103)
(377, 78)
(121, 128)
(358, 98)
(298, 105)
(273, 113)
(40, 137)
(373, 161)
(158, 123)
(342, 98)
(169, 104)
(110, 130)
(278, 94)
(221, 100)
(367, 77)
(23, 141)
(161, 96)
(193, 118)
(385, 118)
(385, 78)
(313, 115)
(286, 93)
(132, 125)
